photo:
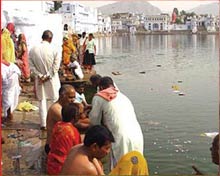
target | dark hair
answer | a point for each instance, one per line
(78, 86)
(47, 35)
(106, 82)
(70, 112)
(64, 89)
(98, 134)
(91, 34)
(95, 78)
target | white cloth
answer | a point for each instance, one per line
(78, 71)
(119, 117)
(90, 45)
(10, 87)
(81, 41)
(45, 61)
(80, 98)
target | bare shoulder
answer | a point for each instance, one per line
(54, 111)
(77, 163)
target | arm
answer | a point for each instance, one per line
(95, 114)
(55, 66)
(98, 166)
(32, 64)
(94, 49)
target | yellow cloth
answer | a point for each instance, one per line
(8, 50)
(68, 49)
(133, 163)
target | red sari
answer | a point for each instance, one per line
(64, 137)
(22, 54)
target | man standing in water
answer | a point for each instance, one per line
(114, 110)
(45, 63)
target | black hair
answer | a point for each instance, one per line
(70, 113)
(106, 82)
(64, 89)
(77, 86)
(95, 78)
(98, 134)
(47, 35)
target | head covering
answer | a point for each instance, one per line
(11, 28)
(22, 38)
(7, 46)
(133, 163)
(66, 37)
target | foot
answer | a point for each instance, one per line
(43, 128)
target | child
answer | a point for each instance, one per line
(80, 97)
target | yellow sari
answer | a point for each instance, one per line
(133, 163)
(8, 50)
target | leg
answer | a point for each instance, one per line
(43, 112)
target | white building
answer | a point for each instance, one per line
(32, 18)
(157, 22)
(104, 23)
(79, 18)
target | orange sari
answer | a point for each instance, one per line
(68, 50)
(64, 137)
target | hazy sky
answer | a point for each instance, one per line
(165, 6)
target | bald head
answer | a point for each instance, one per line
(67, 94)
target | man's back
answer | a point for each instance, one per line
(42, 57)
(78, 163)
(53, 116)
(119, 116)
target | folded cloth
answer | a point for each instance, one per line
(26, 106)
(108, 94)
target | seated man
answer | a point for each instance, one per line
(82, 158)
(64, 137)
(66, 96)
(75, 68)
(80, 96)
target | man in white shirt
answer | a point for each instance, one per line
(44, 63)
(114, 110)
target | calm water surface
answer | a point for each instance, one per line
(172, 125)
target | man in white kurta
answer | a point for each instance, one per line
(10, 87)
(114, 110)
(44, 63)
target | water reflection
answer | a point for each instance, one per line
(171, 124)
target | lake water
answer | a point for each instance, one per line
(172, 125)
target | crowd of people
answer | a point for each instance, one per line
(109, 122)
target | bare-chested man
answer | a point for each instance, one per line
(84, 159)
(66, 96)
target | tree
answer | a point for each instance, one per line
(57, 5)
(182, 12)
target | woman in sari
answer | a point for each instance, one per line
(22, 56)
